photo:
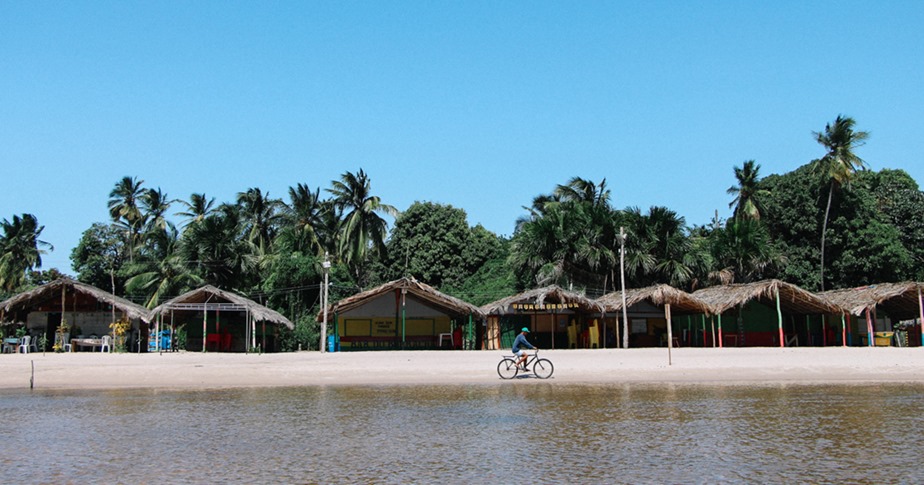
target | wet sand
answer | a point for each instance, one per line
(196, 370)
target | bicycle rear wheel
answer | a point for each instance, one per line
(543, 368)
(507, 368)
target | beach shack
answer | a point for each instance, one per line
(85, 311)
(767, 313)
(656, 315)
(878, 310)
(403, 314)
(556, 318)
(212, 319)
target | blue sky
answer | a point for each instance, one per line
(481, 105)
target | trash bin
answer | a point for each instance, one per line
(332, 343)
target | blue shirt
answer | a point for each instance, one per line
(520, 341)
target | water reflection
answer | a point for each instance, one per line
(475, 434)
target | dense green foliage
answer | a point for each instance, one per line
(863, 226)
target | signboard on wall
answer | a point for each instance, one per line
(383, 328)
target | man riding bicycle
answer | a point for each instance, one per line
(520, 344)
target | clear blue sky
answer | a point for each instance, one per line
(482, 105)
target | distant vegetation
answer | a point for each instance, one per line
(829, 223)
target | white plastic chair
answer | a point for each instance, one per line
(24, 344)
(33, 344)
(106, 346)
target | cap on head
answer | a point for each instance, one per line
(524, 329)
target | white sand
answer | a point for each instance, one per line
(195, 370)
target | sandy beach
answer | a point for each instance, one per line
(196, 370)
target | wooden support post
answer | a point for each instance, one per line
(670, 334)
(869, 329)
(205, 334)
(843, 330)
(779, 317)
(720, 331)
(921, 310)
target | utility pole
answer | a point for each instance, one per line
(622, 279)
(324, 297)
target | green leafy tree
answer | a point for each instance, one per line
(125, 211)
(261, 217)
(307, 219)
(743, 249)
(99, 257)
(162, 274)
(837, 166)
(20, 250)
(363, 231)
(748, 201)
(429, 242)
(197, 208)
(216, 249)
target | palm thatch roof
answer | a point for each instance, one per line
(792, 298)
(420, 290)
(899, 300)
(543, 299)
(658, 295)
(52, 291)
(213, 296)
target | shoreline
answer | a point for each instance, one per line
(694, 366)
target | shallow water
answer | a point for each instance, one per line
(464, 434)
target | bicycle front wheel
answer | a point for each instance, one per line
(543, 368)
(507, 369)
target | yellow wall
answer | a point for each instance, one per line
(387, 327)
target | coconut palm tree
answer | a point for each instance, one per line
(20, 250)
(154, 204)
(838, 165)
(165, 274)
(124, 210)
(215, 247)
(578, 189)
(261, 217)
(305, 215)
(198, 208)
(743, 252)
(748, 196)
(363, 230)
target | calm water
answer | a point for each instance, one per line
(454, 434)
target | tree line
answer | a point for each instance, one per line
(829, 223)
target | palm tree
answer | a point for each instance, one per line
(363, 229)
(748, 195)
(123, 208)
(261, 217)
(197, 208)
(20, 250)
(164, 275)
(743, 252)
(581, 190)
(155, 204)
(306, 219)
(838, 165)
(216, 248)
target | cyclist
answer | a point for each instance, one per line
(520, 344)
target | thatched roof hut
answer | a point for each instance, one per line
(209, 297)
(402, 314)
(902, 301)
(420, 290)
(233, 332)
(793, 299)
(52, 292)
(543, 299)
(658, 295)
(546, 311)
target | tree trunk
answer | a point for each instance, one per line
(824, 228)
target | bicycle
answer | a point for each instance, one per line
(507, 368)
